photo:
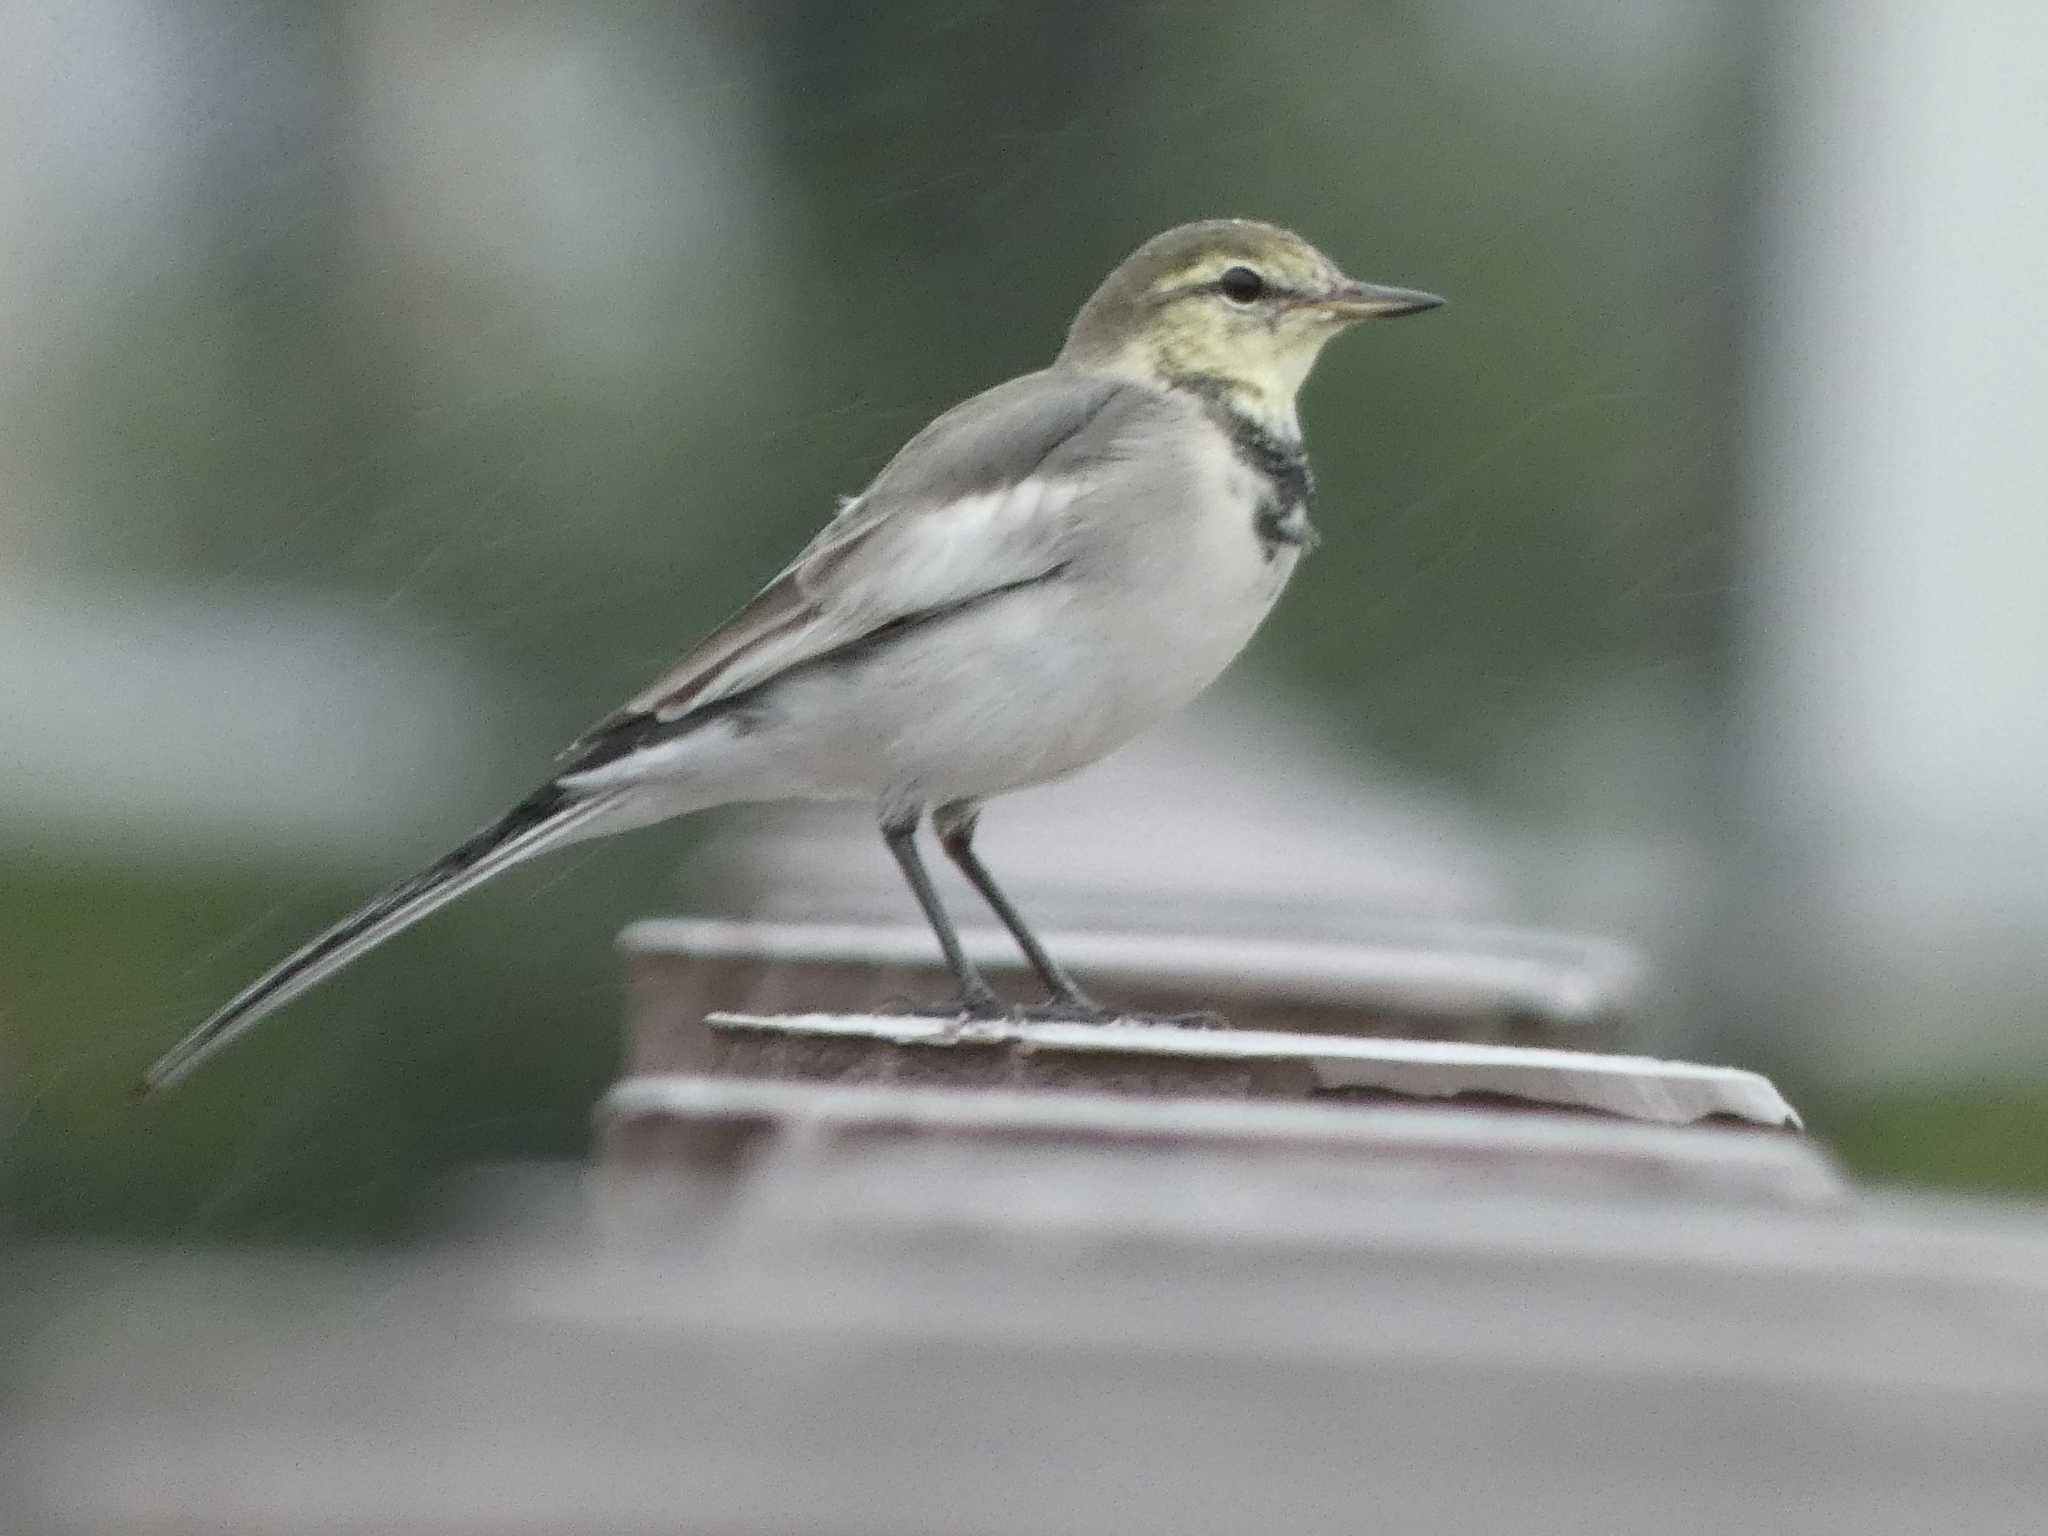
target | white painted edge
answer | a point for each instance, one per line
(1635, 1087)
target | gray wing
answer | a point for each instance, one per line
(975, 501)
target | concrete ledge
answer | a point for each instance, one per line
(1543, 975)
(687, 1123)
(1424, 981)
(1243, 1064)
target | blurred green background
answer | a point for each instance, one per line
(394, 387)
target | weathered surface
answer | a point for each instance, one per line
(1449, 983)
(979, 1336)
(1159, 1059)
(713, 1129)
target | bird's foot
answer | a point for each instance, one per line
(977, 1007)
(1067, 1010)
(1201, 1018)
(1085, 1011)
(1076, 1010)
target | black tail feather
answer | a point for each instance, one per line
(518, 834)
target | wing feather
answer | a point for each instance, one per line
(975, 502)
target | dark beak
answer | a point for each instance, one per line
(1369, 301)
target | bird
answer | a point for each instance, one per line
(1037, 576)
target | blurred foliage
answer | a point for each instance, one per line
(1521, 492)
(1984, 1137)
(486, 1034)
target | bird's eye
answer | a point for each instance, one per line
(1241, 285)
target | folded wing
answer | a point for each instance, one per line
(978, 501)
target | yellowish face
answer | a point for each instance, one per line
(1230, 306)
(1254, 317)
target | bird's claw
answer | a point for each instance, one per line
(964, 1009)
(1067, 1010)
(1084, 1011)
(1062, 1011)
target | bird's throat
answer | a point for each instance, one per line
(1270, 446)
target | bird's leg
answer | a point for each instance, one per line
(955, 825)
(976, 996)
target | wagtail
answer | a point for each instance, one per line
(1037, 576)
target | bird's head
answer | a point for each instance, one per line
(1226, 305)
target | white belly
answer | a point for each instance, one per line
(1016, 691)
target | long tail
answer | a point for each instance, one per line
(544, 820)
